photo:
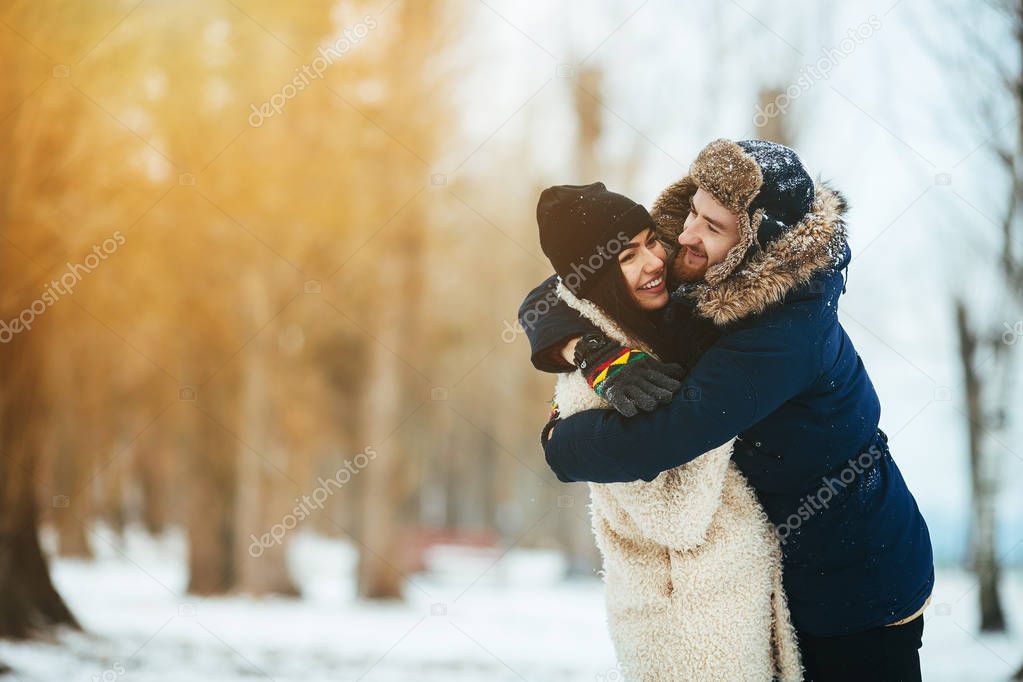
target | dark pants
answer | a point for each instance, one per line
(878, 655)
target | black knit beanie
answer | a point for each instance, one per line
(583, 228)
(787, 192)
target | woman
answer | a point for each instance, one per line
(692, 566)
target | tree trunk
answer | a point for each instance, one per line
(151, 472)
(28, 601)
(378, 577)
(210, 453)
(983, 545)
(262, 500)
(71, 451)
(210, 530)
(71, 502)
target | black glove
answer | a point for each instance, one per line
(627, 378)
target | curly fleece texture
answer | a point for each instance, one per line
(692, 567)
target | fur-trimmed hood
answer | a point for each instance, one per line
(763, 276)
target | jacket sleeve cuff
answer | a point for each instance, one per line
(548, 323)
(548, 357)
(551, 360)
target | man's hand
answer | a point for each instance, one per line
(627, 378)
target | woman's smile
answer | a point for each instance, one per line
(653, 287)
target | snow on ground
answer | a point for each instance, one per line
(474, 616)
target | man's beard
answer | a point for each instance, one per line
(680, 272)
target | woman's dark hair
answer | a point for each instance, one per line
(612, 294)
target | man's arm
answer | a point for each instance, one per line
(550, 324)
(743, 378)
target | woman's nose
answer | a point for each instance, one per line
(652, 263)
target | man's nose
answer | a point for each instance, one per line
(688, 238)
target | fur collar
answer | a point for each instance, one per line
(815, 244)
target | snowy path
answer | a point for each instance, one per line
(468, 620)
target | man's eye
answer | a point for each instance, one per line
(650, 243)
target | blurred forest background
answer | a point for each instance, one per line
(247, 247)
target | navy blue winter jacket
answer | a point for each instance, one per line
(786, 378)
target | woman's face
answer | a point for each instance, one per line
(642, 263)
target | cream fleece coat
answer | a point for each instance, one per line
(692, 567)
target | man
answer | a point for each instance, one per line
(762, 254)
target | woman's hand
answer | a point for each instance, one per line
(627, 378)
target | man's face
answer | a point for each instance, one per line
(709, 233)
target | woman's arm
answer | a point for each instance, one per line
(550, 324)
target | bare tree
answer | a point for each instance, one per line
(1011, 158)
(29, 602)
(986, 396)
(398, 322)
(987, 359)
